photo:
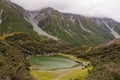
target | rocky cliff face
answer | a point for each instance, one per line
(33, 18)
(109, 25)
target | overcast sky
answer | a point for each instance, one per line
(99, 8)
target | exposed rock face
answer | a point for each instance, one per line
(74, 27)
(31, 18)
(109, 25)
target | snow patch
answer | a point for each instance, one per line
(67, 25)
(72, 19)
(1, 16)
(60, 27)
(84, 28)
(69, 33)
(0, 21)
(72, 32)
(62, 18)
(115, 34)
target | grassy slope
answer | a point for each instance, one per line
(75, 74)
(55, 25)
(30, 46)
(15, 47)
(13, 65)
(13, 21)
(105, 60)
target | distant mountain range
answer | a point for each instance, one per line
(71, 28)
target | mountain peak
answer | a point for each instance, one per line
(49, 10)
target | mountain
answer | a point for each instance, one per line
(75, 29)
(12, 20)
(110, 25)
(70, 28)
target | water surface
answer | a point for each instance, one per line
(52, 62)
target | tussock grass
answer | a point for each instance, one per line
(9, 35)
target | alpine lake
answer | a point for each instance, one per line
(58, 67)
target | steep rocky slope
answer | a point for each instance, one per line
(76, 29)
(109, 25)
(70, 28)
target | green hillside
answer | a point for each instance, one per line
(60, 25)
(13, 21)
(13, 64)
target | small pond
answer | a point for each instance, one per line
(52, 62)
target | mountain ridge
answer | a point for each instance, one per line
(86, 22)
(70, 28)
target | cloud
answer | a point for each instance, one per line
(98, 8)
